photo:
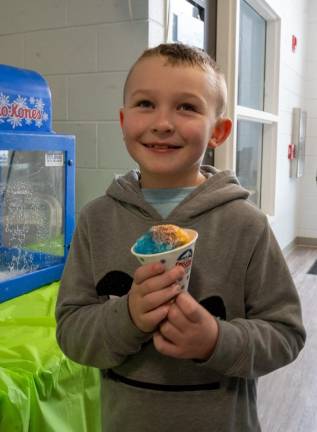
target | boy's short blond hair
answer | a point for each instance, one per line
(181, 54)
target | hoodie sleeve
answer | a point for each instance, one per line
(91, 331)
(272, 333)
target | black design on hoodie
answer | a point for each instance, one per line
(215, 306)
(115, 283)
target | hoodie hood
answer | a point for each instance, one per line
(220, 188)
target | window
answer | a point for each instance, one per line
(248, 52)
(249, 157)
(251, 70)
(186, 19)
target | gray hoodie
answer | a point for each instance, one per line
(239, 275)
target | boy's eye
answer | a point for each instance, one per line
(187, 107)
(144, 104)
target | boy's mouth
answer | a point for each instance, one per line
(162, 146)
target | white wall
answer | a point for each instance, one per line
(293, 74)
(307, 225)
(297, 198)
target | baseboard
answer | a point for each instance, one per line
(299, 241)
(288, 249)
(306, 241)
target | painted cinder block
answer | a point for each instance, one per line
(120, 44)
(18, 16)
(111, 148)
(12, 50)
(59, 91)
(86, 141)
(63, 51)
(95, 97)
(92, 184)
(103, 11)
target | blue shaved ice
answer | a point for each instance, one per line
(146, 245)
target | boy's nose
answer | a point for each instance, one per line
(162, 124)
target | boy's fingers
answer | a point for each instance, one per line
(157, 298)
(146, 271)
(171, 332)
(177, 317)
(165, 347)
(154, 317)
(153, 279)
(189, 306)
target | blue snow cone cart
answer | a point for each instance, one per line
(37, 185)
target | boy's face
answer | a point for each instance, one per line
(168, 121)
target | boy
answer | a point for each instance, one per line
(170, 360)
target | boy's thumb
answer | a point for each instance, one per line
(189, 306)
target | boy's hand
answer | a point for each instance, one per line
(189, 331)
(150, 294)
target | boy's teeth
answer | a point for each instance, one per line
(162, 146)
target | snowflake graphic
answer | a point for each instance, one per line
(21, 102)
(39, 104)
(4, 100)
(15, 121)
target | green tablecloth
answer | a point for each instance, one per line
(40, 389)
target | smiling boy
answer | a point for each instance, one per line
(169, 119)
(170, 360)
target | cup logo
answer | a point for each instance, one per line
(185, 259)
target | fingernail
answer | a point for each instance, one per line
(177, 287)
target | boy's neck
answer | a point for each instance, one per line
(157, 182)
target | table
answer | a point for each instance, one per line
(41, 390)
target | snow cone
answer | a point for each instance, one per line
(170, 245)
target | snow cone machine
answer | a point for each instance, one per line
(37, 185)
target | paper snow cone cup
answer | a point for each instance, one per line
(182, 256)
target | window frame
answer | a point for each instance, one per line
(228, 15)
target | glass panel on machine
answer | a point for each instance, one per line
(249, 157)
(32, 185)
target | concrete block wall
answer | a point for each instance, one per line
(84, 49)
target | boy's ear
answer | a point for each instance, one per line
(220, 133)
(121, 113)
